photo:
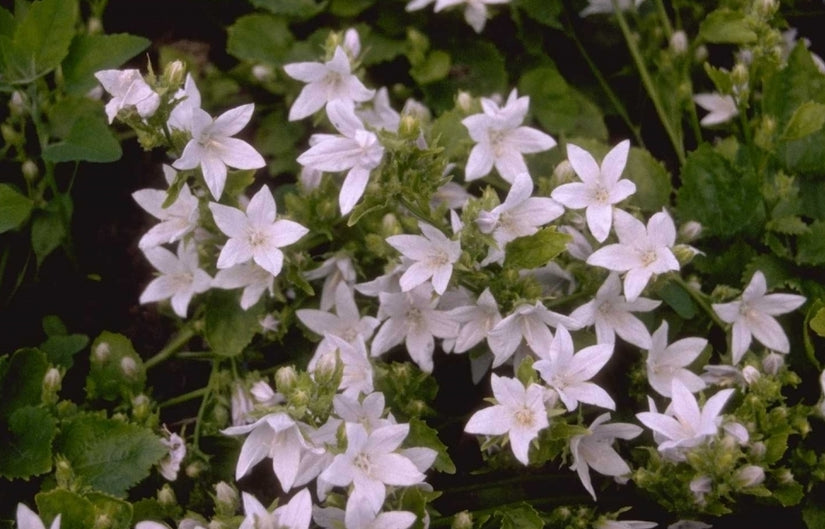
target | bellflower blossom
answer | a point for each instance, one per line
(28, 519)
(176, 220)
(128, 89)
(668, 362)
(600, 188)
(528, 322)
(501, 139)
(180, 279)
(433, 255)
(296, 514)
(594, 450)
(476, 321)
(753, 317)
(595, 7)
(326, 82)
(252, 278)
(721, 108)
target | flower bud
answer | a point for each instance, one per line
(766, 8)
(101, 352)
(701, 53)
(30, 171)
(63, 471)
(685, 253)
(263, 392)
(141, 407)
(758, 450)
(462, 520)
(174, 74)
(102, 521)
(166, 496)
(750, 374)
(465, 102)
(783, 475)
(773, 363)
(285, 379)
(17, 104)
(563, 173)
(195, 469)
(326, 368)
(226, 498)
(352, 43)
(262, 72)
(678, 42)
(300, 397)
(52, 381)
(94, 26)
(409, 127)
(690, 231)
(390, 226)
(10, 136)
(129, 367)
(739, 75)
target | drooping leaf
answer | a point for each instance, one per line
(259, 38)
(15, 208)
(678, 299)
(91, 53)
(49, 226)
(27, 445)
(536, 250)
(108, 455)
(229, 328)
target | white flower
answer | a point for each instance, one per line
(170, 464)
(368, 412)
(569, 373)
(520, 215)
(529, 322)
(475, 11)
(606, 6)
(361, 518)
(414, 320)
(371, 463)
(624, 524)
(128, 88)
(335, 270)
(476, 321)
(594, 450)
(28, 519)
(255, 235)
(600, 186)
(520, 413)
(641, 252)
(189, 98)
(252, 278)
(752, 317)
(180, 279)
(686, 426)
(721, 108)
(380, 115)
(213, 148)
(433, 255)
(356, 151)
(278, 436)
(666, 363)
(294, 515)
(326, 82)
(176, 220)
(501, 140)
(612, 314)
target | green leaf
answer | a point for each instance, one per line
(41, 40)
(349, 8)
(117, 512)
(806, 119)
(108, 455)
(813, 515)
(560, 108)
(54, 326)
(60, 350)
(90, 140)
(536, 250)
(653, 187)
(717, 195)
(7, 24)
(725, 26)
(789, 494)
(91, 53)
(678, 299)
(522, 516)
(721, 78)
(15, 208)
(229, 328)
(76, 512)
(292, 8)
(542, 11)
(811, 245)
(818, 322)
(28, 443)
(49, 227)
(422, 435)
(22, 382)
(434, 68)
(476, 66)
(115, 369)
(259, 38)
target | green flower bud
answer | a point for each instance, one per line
(103, 521)
(17, 104)
(51, 386)
(262, 72)
(326, 368)
(129, 367)
(464, 101)
(94, 26)
(739, 75)
(285, 379)
(749, 476)
(166, 496)
(30, 171)
(195, 469)
(226, 499)
(410, 127)
(101, 352)
(174, 74)
(678, 42)
(462, 520)
(10, 135)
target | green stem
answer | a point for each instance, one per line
(210, 386)
(662, 12)
(701, 299)
(177, 341)
(647, 80)
(183, 398)
(611, 95)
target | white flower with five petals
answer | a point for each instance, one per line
(721, 108)
(668, 362)
(530, 323)
(128, 89)
(433, 255)
(180, 279)
(594, 450)
(176, 220)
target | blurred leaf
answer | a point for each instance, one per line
(15, 208)
(116, 370)
(60, 350)
(49, 227)
(678, 299)
(434, 68)
(542, 11)
(85, 136)
(40, 42)
(725, 26)
(813, 515)
(28, 443)
(349, 8)
(806, 119)
(292, 8)
(522, 516)
(477, 67)
(91, 53)
(818, 322)
(811, 245)
(422, 435)
(716, 194)
(116, 511)
(536, 250)
(259, 38)
(76, 512)
(229, 328)
(22, 382)
(109, 455)
(652, 181)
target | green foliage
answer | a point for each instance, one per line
(422, 435)
(229, 328)
(60, 346)
(27, 443)
(116, 370)
(22, 381)
(15, 208)
(536, 250)
(522, 516)
(725, 26)
(91, 53)
(83, 132)
(292, 8)
(108, 455)
(76, 512)
(260, 38)
(817, 323)
(807, 119)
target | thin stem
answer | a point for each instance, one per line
(177, 341)
(648, 82)
(662, 12)
(611, 95)
(701, 299)
(186, 397)
(210, 386)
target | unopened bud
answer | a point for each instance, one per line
(166, 496)
(766, 8)
(30, 171)
(102, 352)
(63, 472)
(285, 379)
(563, 173)
(141, 407)
(462, 520)
(417, 408)
(226, 498)
(390, 226)
(352, 43)
(10, 136)
(52, 380)
(94, 26)
(465, 103)
(773, 363)
(783, 475)
(174, 74)
(299, 398)
(690, 231)
(679, 42)
(129, 367)
(17, 104)
(326, 367)
(262, 392)
(739, 75)
(195, 469)
(701, 53)
(685, 253)
(262, 72)
(102, 521)
(409, 126)
(750, 374)
(749, 476)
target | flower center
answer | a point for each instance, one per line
(497, 142)
(524, 417)
(439, 258)
(648, 257)
(256, 238)
(363, 463)
(600, 194)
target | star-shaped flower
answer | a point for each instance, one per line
(720, 108)
(176, 220)
(128, 89)
(433, 255)
(252, 278)
(594, 450)
(569, 374)
(475, 11)
(180, 279)
(296, 514)
(600, 186)
(667, 362)
(255, 235)
(520, 413)
(501, 139)
(213, 148)
(476, 321)
(641, 252)
(528, 322)
(326, 82)
(752, 317)
(612, 314)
